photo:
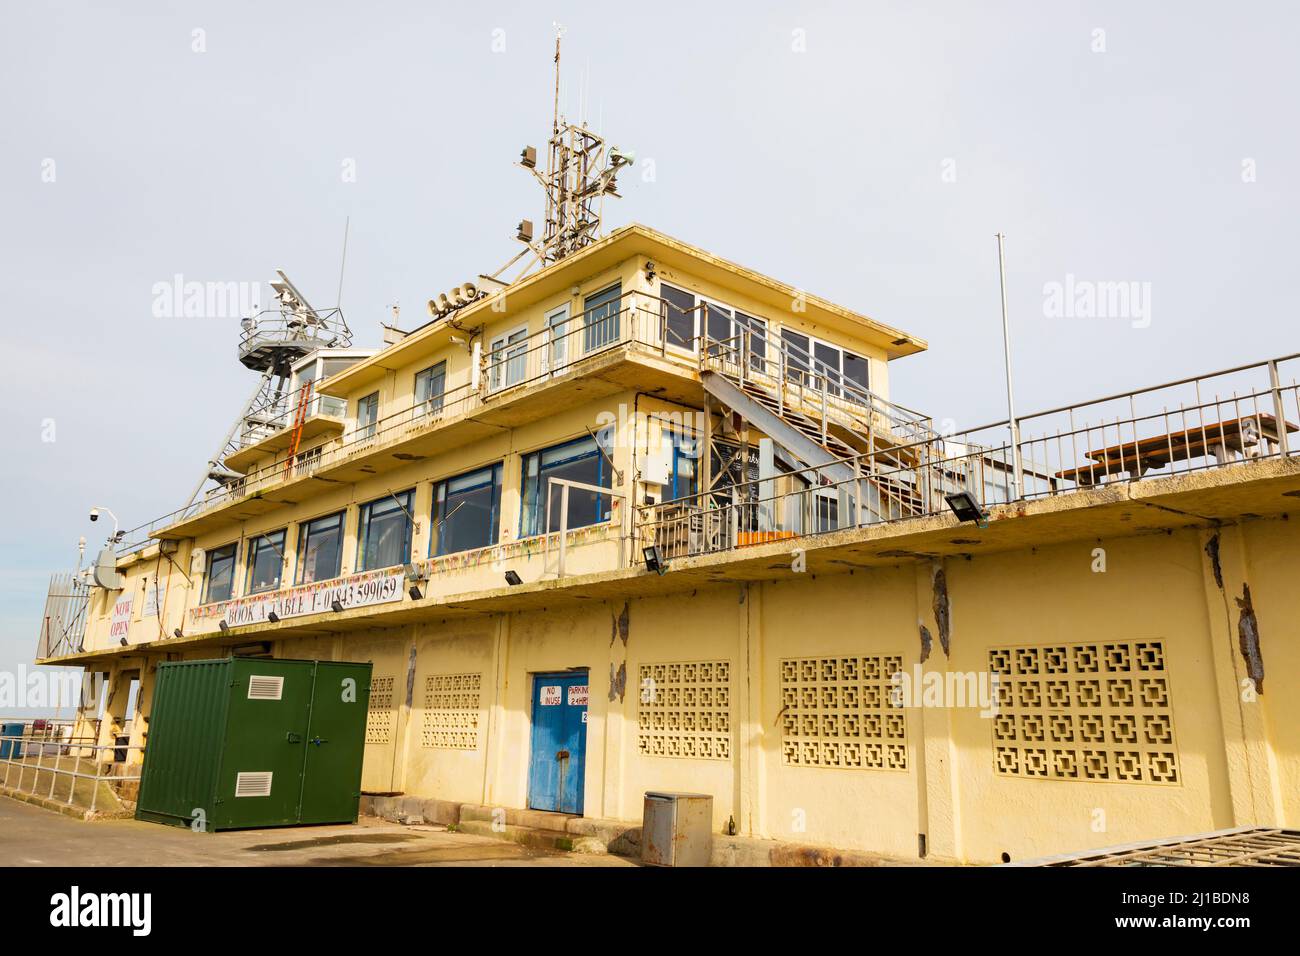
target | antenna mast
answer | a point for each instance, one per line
(581, 169)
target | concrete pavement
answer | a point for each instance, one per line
(30, 836)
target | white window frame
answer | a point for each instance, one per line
(555, 354)
(499, 369)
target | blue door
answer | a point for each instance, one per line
(559, 742)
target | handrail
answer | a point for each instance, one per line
(1191, 432)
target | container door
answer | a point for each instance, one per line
(336, 740)
(260, 781)
(559, 742)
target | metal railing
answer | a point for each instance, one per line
(1251, 412)
(279, 413)
(633, 319)
(46, 759)
(799, 382)
(63, 625)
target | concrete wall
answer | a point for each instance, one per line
(1235, 750)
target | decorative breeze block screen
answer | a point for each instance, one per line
(838, 712)
(1098, 712)
(684, 710)
(451, 711)
(379, 718)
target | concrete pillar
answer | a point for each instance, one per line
(1253, 779)
(747, 684)
(932, 749)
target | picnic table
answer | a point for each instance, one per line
(1137, 457)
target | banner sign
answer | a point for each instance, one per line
(358, 590)
(121, 622)
(155, 593)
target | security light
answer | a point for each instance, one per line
(513, 578)
(654, 559)
(223, 625)
(273, 617)
(966, 508)
(178, 633)
(336, 605)
(122, 641)
(414, 591)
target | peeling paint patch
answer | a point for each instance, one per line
(1248, 638)
(617, 681)
(410, 679)
(1212, 552)
(620, 627)
(942, 607)
(927, 642)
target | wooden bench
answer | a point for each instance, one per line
(1140, 456)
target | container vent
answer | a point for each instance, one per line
(261, 687)
(256, 784)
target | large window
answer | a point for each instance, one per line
(320, 549)
(845, 373)
(221, 573)
(367, 415)
(508, 359)
(430, 385)
(265, 561)
(583, 460)
(601, 312)
(798, 359)
(729, 329)
(384, 534)
(465, 511)
(679, 308)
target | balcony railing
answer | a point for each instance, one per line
(1246, 413)
(634, 319)
(280, 413)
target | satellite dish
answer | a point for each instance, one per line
(106, 573)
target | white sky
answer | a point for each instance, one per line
(823, 168)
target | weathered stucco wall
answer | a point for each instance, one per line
(1157, 605)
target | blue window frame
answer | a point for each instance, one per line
(265, 562)
(320, 548)
(220, 584)
(384, 533)
(581, 460)
(602, 315)
(466, 510)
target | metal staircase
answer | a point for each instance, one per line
(823, 419)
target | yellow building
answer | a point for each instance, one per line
(648, 520)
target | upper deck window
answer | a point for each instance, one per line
(367, 415)
(430, 385)
(583, 461)
(221, 573)
(602, 318)
(265, 561)
(465, 511)
(679, 318)
(384, 534)
(320, 548)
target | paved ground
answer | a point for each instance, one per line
(30, 836)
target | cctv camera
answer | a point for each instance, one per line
(94, 514)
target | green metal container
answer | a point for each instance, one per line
(253, 742)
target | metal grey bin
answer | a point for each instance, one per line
(677, 829)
